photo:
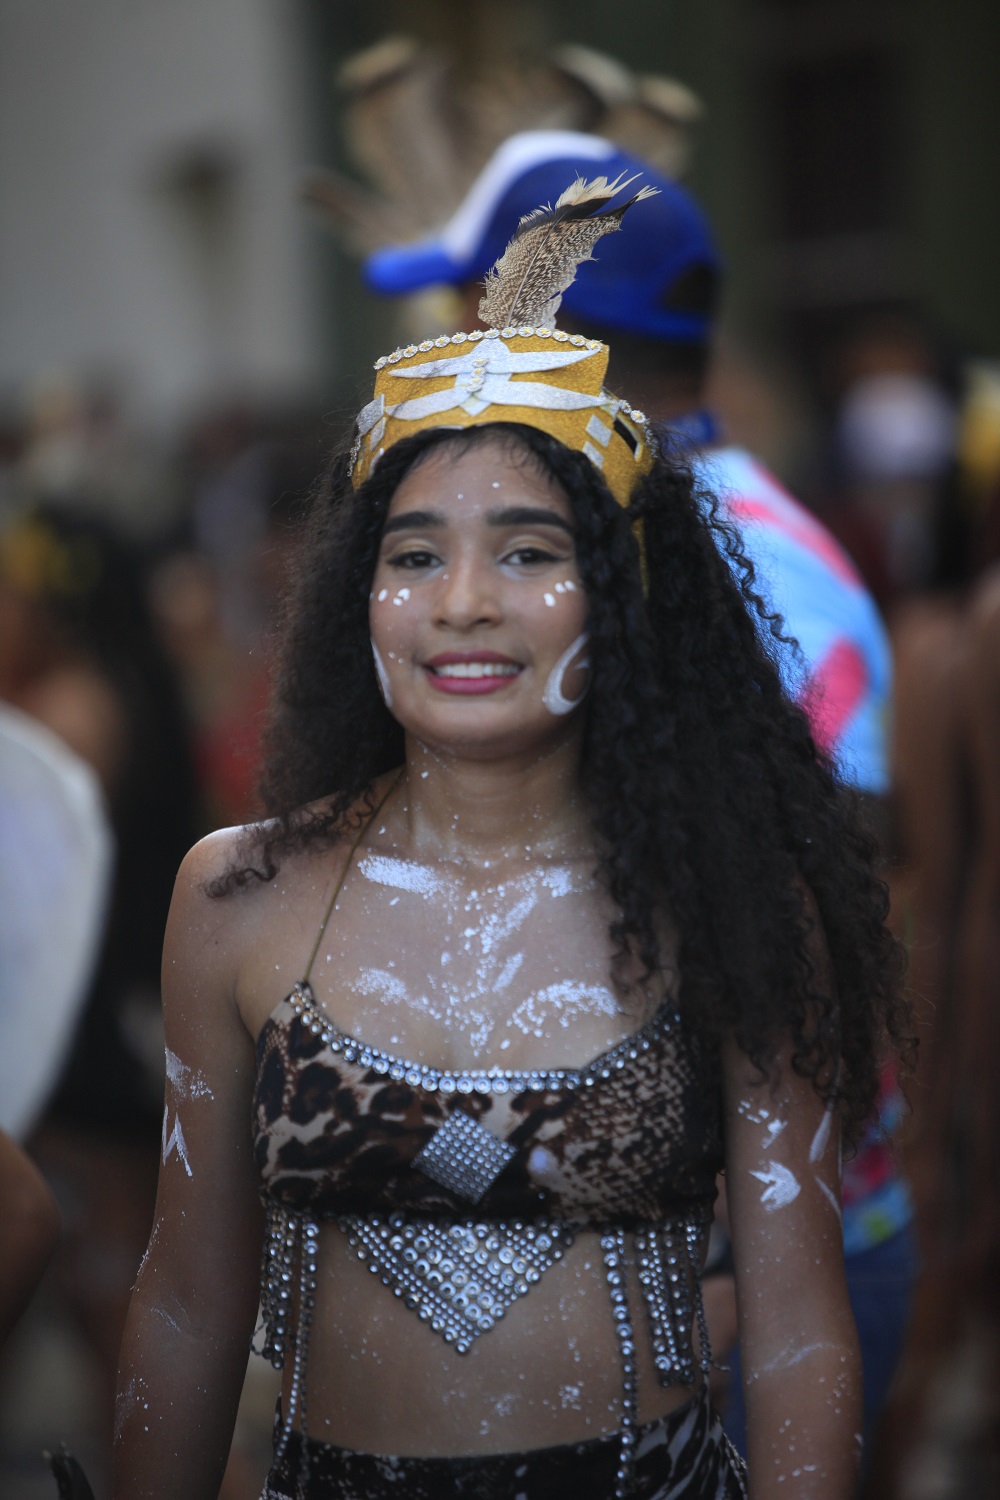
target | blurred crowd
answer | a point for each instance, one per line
(137, 592)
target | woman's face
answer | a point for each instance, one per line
(477, 612)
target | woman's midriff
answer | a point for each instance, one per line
(381, 1381)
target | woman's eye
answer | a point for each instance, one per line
(525, 556)
(416, 558)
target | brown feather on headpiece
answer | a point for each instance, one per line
(527, 282)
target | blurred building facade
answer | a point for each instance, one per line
(149, 156)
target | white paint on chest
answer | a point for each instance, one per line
(400, 874)
(563, 1002)
(564, 880)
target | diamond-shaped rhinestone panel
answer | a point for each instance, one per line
(459, 1279)
(464, 1157)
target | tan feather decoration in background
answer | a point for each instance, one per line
(527, 282)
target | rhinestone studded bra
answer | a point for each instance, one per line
(446, 1082)
(460, 1220)
(458, 1270)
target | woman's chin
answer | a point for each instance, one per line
(495, 741)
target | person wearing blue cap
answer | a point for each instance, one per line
(656, 293)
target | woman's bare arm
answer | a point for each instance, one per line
(186, 1341)
(801, 1364)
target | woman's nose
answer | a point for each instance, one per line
(467, 594)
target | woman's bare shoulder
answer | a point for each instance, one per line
(224, 935)
(254, 878)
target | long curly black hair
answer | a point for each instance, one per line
(709, 798)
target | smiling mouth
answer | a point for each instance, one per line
(488, 673)
(475, 669)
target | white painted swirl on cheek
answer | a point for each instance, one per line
(553, 696)
(383, 677)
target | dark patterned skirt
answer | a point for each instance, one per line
(682, 1456)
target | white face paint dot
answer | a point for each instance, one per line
(383, 595)
(560, 588)
(402, 596)
(550, 599)
(496, 484)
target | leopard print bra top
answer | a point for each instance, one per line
(341, 1128)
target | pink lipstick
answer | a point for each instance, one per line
(471, 672)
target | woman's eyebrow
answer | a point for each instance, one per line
(514, 515)
(414, 520)
(527, 515)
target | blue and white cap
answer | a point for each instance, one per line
(655, 280)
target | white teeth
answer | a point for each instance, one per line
(476, 669)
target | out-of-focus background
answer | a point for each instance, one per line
(186, 188)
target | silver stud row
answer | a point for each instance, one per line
(475, 1081)
(693, 1236)
(616, 1272)
(663, 1273)
(280, 1245)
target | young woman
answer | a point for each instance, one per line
(559, 914)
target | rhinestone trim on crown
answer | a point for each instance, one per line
(495, 333)
(471, 1080)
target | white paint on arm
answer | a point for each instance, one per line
(828, 1192)
(185, 1081)
(175, 1141)
(781, 1186)
(788, 1358)
(758, 1115)
(822, 1136)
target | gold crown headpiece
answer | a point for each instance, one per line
(521, 368)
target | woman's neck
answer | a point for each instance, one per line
(493, 811)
